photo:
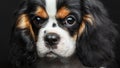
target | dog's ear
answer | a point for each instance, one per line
(96, 35)
(23, 49)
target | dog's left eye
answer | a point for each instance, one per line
(70, 20)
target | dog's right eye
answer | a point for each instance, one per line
(37, 20)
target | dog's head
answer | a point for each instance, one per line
(62, 28)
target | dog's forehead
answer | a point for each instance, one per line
(56, 3)
(55, 8)
(51, 7)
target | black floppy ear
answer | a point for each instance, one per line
(95, 43)
(23, 49)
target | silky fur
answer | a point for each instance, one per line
(94, 46)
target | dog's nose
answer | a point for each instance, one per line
(51, 39)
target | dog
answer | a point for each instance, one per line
(63, 34)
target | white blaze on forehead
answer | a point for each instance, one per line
(51, 7)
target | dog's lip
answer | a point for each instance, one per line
(51, 52)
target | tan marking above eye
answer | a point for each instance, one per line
(23, 22)
(41, 12)
(62, 12)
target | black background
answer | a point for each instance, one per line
(7, 8)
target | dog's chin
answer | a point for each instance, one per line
(51, 55)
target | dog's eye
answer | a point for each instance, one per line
(36, 19)
(70, 20)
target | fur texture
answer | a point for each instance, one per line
(90, 38)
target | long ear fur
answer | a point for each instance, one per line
(23, 50)
(95, 45)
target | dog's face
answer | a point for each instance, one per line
(55, 24)
(62, 28)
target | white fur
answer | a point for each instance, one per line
(51, 7)
(66, 46)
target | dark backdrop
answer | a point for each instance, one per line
(7, 8)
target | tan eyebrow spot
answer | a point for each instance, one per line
(41, 12)
(23, 22)
(62, 12)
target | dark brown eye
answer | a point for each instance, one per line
(37, 20)
(70, 20)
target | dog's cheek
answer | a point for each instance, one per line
(41, 47)
(66, 46)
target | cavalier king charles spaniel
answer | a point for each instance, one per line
(63, 34)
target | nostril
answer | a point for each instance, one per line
(51, 39)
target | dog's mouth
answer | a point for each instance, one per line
(51, 54)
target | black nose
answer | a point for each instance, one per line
(51, 39)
